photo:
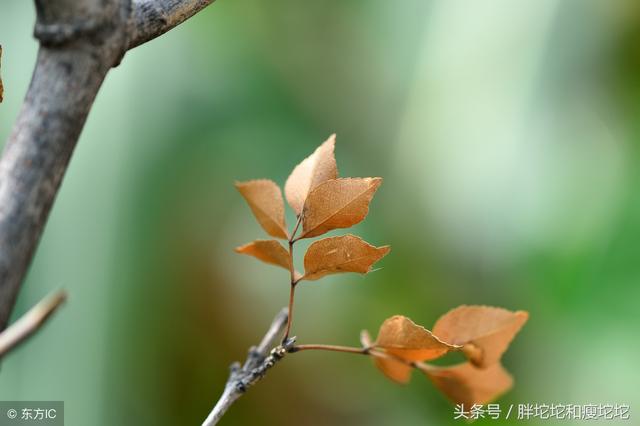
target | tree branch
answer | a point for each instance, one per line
(80, 41)
(152, 18)
(30, 322)
(258, 362)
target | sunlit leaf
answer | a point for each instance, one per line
(269, 251)
(265, 199)
(404, 339)
(468, 385)
(337, 203)
(490, 330)
(347, 253)
(311, 172)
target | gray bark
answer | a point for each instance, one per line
(80, 41)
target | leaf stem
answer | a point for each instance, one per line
(332, 348)
(295, 229)
(293, 280)
(290, 317)
(371, 351)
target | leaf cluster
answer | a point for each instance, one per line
(481, 333)
(323, 202)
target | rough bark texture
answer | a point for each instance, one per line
(152, 18)
(80, 41)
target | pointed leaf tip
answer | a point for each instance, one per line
(410, 341)
(317, 168)
(488, 330)
(265, 200)
(269, 251)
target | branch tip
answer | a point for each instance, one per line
(31, 321)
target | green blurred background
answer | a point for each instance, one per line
(507, 134)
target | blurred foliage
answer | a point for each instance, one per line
(506, 134)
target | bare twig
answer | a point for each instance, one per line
(260, 359)
(331, 348)
(30, 322)
(294, 279)
(80, 41)
(292, 293)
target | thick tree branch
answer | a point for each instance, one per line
(258, 362)
(80, 41)
(30, 322)
(37, 153)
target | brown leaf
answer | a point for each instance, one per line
(265, 199)
(468, 385)
(311, 172)
(394, 370)
(406, 339)
(488, 329)
(269, 251)
(401, 337)
(347, 253)
(337, 203)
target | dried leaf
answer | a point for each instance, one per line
(311, 172)
(468, 385)
(406, 339)
(347, 253)
(337, 203)
(401, 337)
(394, 370)
(487, 328)
(269, 251)
(265, 199)
(1, 87)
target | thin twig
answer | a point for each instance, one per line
(292, 292)
(272, 335)
(295, 228)
(30, 322)
(293, 280)
(261, 358)
(332, 348)
(366, 350)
